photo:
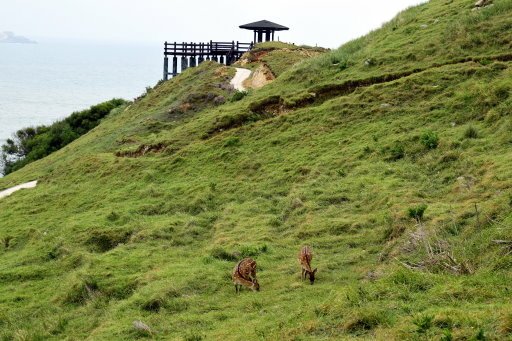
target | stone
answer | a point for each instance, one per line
(141, 326)
(483, 3)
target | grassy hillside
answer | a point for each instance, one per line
(144, 217)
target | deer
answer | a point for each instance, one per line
(244, 274)
(305, 257)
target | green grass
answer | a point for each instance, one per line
(112, 235)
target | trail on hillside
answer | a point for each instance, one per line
(9, 191)
(240, 77)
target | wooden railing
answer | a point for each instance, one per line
(193, 54)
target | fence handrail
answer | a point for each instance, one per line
(212, 47)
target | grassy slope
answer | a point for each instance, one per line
(105, 240)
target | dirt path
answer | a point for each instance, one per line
(240, 77)
(9, 191)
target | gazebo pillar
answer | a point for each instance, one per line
(174, 66)
(260, 36)
(184, 63)
(267, 35)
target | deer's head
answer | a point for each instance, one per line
(312, 276)
(255, 285)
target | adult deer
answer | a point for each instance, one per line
(244, 274)
(305, 257)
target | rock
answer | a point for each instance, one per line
(385, 105)
(260, 77)
(369, 62)
(141, 326)
(219, 100)
(483, 3)
(424, 26)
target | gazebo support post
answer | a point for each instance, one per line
(166, 68)
(174, 66)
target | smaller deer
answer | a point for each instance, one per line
(244, 274)
(305, 257)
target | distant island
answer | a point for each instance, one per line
(10, 37)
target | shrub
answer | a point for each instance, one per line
(397, 152)
(238, 95)
(103, 241)
(31, 144)
(430, 140)
(471, 133)
(417, 212)
(232, 141)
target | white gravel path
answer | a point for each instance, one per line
(11, 190)
(240, 77)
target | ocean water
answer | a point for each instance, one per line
(42, 83)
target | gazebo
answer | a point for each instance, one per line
(264, 27)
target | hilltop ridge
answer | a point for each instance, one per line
(390, 157)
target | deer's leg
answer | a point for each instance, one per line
(302, 276)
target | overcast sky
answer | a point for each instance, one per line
(327, 23)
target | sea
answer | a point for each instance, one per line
(44, 82)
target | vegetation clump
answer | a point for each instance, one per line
(417, 212)
(238, 95)
(471, 133)
(430, 140)
(31, 144)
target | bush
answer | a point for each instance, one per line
(31, 144)
(238, 95)
(397, 152)
(471, 133)
(103, 241)
(417, 212)
(430, 140)
(232, 141)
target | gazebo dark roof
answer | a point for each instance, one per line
(264, 25)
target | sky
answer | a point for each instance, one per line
(327, 23)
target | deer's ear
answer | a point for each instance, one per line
(314, 271)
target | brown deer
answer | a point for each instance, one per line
(244, 273)
(305, 257)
